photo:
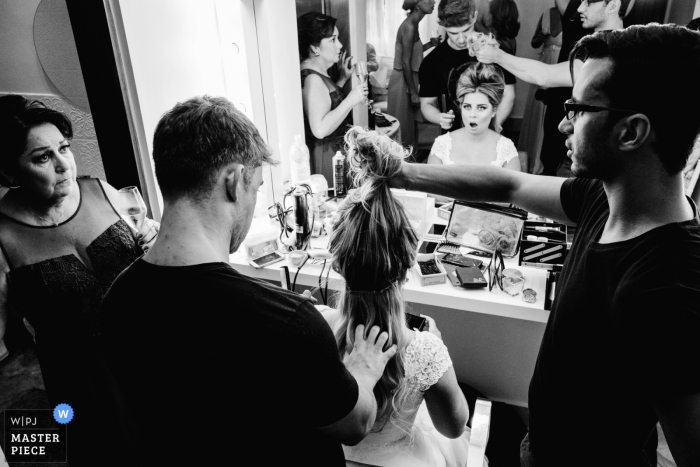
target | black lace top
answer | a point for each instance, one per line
(59, 274)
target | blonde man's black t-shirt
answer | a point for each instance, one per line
(624, 330)
(217, 368)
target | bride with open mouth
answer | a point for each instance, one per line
(479, 93)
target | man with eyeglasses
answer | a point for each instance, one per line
(440, 70)
(621, 350)
(597, 15)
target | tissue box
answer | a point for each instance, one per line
(417, 206)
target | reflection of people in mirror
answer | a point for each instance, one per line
(403, 96)
(326, 107)
(479, 93)
(62, 244)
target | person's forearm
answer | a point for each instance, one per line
(364, 412)
(408, 78)
(470, 182)
(332, 120)
(427, 46)
(533, 71)
(506, 106)
(341, 81)
(431, 113)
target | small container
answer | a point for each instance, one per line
(260, 243)
(295, 258)
(444, 211)
(430, 279)
(513, 281)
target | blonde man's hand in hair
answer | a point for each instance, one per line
(367, 359)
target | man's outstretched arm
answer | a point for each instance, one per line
(531, 71)
(479, 182)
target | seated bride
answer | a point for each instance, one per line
(421, 411)
(479, 92)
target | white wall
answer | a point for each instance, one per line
(21, 71)
(696, 13)
(182, 48)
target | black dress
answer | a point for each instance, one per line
(322, 150)
(60, 296)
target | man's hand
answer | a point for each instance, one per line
(447, 119)
(366, 360)
(488, 55)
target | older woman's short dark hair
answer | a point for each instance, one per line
(455, 13)
(311, 29)
(645, 59)
(196, 139)
(18, 116)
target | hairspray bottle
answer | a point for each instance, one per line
(339, 175)
(301, 216)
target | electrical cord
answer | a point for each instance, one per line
(294, 284)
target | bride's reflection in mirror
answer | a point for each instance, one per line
(327, 109)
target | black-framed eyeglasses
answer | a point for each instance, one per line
(571, 108)
(495, 269)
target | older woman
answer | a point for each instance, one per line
(62, 243)
(326, 108)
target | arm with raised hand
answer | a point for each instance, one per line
(532, 71)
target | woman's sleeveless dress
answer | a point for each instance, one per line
(322, 151)
(417, 443)
(61, 297)
(532, 131)
(505, 150)
(399, 94)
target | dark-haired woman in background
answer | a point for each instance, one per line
(500, 17)
(326, 108)
(62, 244)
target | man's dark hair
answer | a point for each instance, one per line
(18, 116)
(455, 13)
(645, 61)
(197, 138)
(694, 25)
(312, 28)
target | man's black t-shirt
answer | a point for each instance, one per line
(439, 72)
(623, 331)
(217, 368)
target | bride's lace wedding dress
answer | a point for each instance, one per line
(416, 442)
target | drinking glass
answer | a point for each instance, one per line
(131, 207)
(361, 71)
